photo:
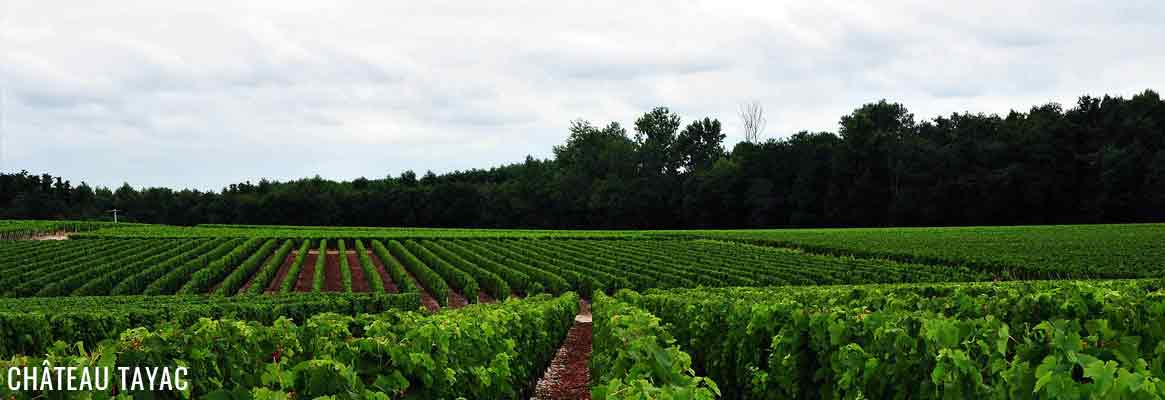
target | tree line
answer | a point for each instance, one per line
(1103, 160)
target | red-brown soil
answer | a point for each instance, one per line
(484, 298)
(429, 302)
(427, 298)
(306, 275)
(251, 279)
(389, 285)
(568, 375)
(359, 283)
(456, 300)
(333, 282)
(280, 275)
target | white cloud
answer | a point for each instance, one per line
(205, 94)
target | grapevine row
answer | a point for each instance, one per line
(477, 352)
(499, 268)
(292, 276)
(920, 341)
(32, 325)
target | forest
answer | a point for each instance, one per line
(1101, 160)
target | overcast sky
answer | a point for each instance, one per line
(201, 94)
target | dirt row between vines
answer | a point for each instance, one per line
(456, 300)
(389, 285)
(333, 282)
(277, 282)
(359, 282)
(251, 279)
(427, 298)
(307, 274)
(333, 279)
(568, 376)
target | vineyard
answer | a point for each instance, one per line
(1021, 252)
(31, 229)
(352, 312)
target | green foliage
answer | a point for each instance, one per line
(139, 231)
(25, 229)
(292, 276)
(741, 308)
(35, 274)
(345, 269)
(522, 276)
(433, 282)
(536, 263)
(249, 253)
(117, 278)
(396, 271)
(163, 279)
(1019, 252)
(921, 341)
(1094, 160)
(31, 325)
(262, 278)
(455, 277)
(235, 278)
(634, 357)
(318, 274)
(479, 352)
(371, 274)
(487, 274)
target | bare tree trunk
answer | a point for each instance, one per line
(752, 116)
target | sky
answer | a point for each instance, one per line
(201, 94)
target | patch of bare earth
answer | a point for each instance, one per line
(333, 282)
(52, 236)
(456, 300)
(280, 275)
(359, 282)
(251, 279)
(427, 298)
(307, 274)
(484, 298)
(568, 375)
(389, 285)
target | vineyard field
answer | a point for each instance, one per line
(1021, 252)
(130, 266)
(352, 312)
(307, 232)
(1008, 340)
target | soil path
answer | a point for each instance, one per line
(389, 285)
(303, 282)
(484, 298)
(280, 275)
(359, 283)
(456, 300)
(427, 299)
(251, 279)
(52, 236)
(333, 282)
(568, 375)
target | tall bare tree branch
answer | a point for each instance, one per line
(752, 116)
